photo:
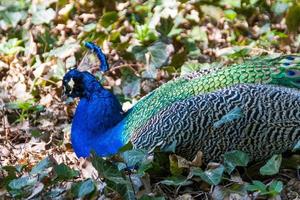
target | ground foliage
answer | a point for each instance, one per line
(147, 43)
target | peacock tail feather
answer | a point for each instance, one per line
(257, 119)
(283, 70)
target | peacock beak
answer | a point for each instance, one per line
(65, 95)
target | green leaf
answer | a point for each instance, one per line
(13, 18)
(165, 26)
(41, 166)
(256, 186)
(131, 86)
(17, 184)
(198, 34)
(176, 181)
(63, 172)
(64, 51)
(235, 158)
(144, 166)
(105, 168)
(144, 34)
(11, 174)
(124, 189)
(158, 54)
(275, 188)
(230, 14)
(43, 16)
(134, 157)
(35, 133)
(239, 53)
(109, 18)
(211, 176)
(83, 188)
(10, 47)
(272, 166)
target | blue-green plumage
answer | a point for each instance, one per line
(226, 111)
(268, 121)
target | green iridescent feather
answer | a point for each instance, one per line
(283, 70)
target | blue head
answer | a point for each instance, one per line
(79, 84)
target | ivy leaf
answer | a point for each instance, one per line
(10, 47)
(166, 25)
(13, 18)
(211, 176)
(63, 172)
(158, 54)
(275, 188)
(235, 158)
(41, 166)
(64, 51)
(11, 174)
(105, 168)
(134, 157)
(257, 186)
(83, 188)
(22, 182)
(109, 18)
(124, 189)
(43, 16)
(272, 166)
(131, 86)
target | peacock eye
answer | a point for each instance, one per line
(291, 73)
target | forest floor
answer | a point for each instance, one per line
(147, 44)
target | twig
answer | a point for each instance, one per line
(130, 66)
(129, 173)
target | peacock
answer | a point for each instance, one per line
(192, 111)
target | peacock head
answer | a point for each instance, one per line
(289, 72)
(79, 84)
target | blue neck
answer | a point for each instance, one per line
(97, 124)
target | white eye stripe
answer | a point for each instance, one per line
(71, 83)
